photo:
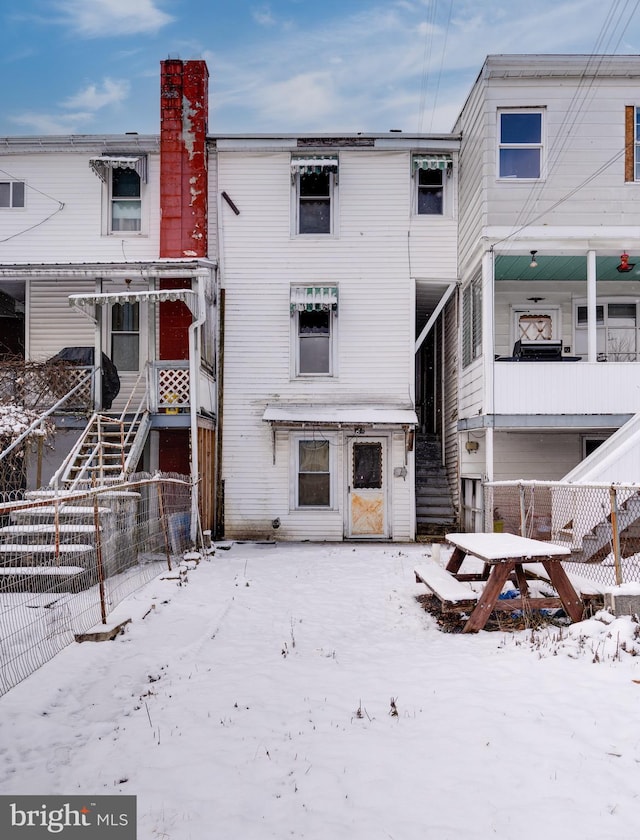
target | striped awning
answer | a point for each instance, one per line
(102, 165)
(442, 162)
(314, 298)
(188, 296)
(314, 164)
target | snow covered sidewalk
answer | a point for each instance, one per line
(300, 691)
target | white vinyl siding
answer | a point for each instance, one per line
(66, 195)
(370, 264)
(51, 323)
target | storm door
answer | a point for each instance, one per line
(367, 488)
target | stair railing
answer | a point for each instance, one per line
(40, 420)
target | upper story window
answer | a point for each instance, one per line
(314, 183)
(520, 144)
(471, 322)
(431, 173)
(314, 315)
(123, 177)
(126, 202)
(12, 194)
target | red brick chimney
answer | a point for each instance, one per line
(184, 106)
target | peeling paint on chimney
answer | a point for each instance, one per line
(183, 158)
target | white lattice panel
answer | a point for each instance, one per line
(173, 388)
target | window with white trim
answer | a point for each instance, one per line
(520, 146)
(313, 470)
(617, 325)
(125, 335)
(314, 192)
(471, 322)
(12, 194)
(123, 177)
(125, 201)
(431, 177)
(314, 317)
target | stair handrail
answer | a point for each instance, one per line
(55, 478)
(39, 420)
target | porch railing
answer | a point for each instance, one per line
(169, 391)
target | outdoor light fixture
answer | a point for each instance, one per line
(625, 265)
(533, 263)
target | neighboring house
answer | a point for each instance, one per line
(103, 245)
(549, 261)
(337, 256)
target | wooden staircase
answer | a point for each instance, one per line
(107, 451)
(435, 513)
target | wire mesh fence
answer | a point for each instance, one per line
(599, 523)
(67, 560)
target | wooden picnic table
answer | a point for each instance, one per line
(503, 556)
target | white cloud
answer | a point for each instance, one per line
(263, 16)
(50, 123)
(113, 92)
(105, 18)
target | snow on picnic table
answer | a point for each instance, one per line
(255, 701)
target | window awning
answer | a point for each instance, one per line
(102, 165)
(314, 164)
(314, 298)
(188, 296)
(442, 162)
(348, 415)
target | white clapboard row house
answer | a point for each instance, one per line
(341, 336)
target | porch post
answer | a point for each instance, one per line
(488, 341)
(100, 315)
(592, 340)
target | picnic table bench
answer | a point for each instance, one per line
(503, 557)
(454, 595)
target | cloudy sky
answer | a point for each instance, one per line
(92, 66)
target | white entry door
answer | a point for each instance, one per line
(125, 342)
(367, 488)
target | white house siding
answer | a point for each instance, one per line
(45, 232)
(470, 390)
(450, 418)
(543, 456)
(472, 205)
(368, 260)
(584, 131)
(51, 323)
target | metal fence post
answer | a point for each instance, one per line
(165, 530)
(615, 534)
(523, 513)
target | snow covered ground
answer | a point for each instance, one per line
(301, 691)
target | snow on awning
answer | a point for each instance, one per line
(314, 164)
(442, 162)
(189, 297)
(102, 165)
(314, 298)
(348, 415)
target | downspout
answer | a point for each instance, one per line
(194, 402)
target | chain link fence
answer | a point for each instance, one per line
(600, 523)
(67, 560)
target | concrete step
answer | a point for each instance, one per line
(41, 554)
